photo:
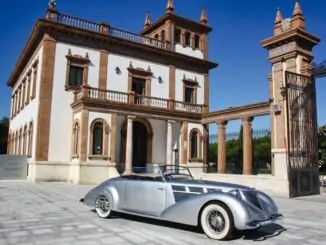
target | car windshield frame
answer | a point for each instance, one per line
(174, 170)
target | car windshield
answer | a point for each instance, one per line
(163, 172)
(173, 172)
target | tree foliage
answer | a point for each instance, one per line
(4, 130)
(261, 150)
(322, 143)
(234, 152)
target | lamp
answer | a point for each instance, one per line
(283, 91)
(160, 80)
(117, 70)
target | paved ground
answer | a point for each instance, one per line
(50, 213)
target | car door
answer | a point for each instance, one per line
(145, 197)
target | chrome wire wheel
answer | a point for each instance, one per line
(217, 221)
(102, 207)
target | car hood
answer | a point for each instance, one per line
(213, 184)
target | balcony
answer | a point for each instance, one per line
(110, 97)
(104, 28)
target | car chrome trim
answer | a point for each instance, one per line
(256, 224)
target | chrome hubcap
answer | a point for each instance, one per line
(102, 204)
(216, 221)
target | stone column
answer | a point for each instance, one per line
(128, 164)
(169, 143)
(221, 147)
(205, 144)
(247, 146)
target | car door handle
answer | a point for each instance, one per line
(161, 188)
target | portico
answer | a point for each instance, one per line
(130, 140)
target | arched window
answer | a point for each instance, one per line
(187, 39)
(177, 35)
(162, 35)
(9, 144)
(76, 137)
(20, 142)
(30, 139)
(25, 140)
(99, 133)
(195, 144)
(15, 144)
(98, 138)
(156, 36)
(196, 44)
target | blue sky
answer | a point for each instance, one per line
(238, 27)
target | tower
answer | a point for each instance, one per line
(178, 33)
(290, 50)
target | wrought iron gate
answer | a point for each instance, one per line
(302, 135)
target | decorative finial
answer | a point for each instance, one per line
(169, 6)
(279, 16)
(52, 3)
(203, 17)
(147, 20)
(297, 9)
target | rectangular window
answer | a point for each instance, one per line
(189, 94)
(76, 76)
(138, 85)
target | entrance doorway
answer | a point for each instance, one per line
(141, 142)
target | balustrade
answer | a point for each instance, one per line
(111, 31)
(135, 99)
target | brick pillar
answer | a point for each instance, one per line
(247, 146)
(221, 147)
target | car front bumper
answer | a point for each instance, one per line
(256, 224)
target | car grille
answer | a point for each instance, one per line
(251, 197)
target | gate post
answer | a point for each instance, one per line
(290, 49)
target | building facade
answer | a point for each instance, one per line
(90, 100)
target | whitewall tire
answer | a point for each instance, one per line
(217, 221)
(102, 207)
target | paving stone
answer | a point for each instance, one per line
(50, 213)
(42, 231)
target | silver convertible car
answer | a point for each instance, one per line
(171, 193)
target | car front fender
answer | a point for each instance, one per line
(187, 211)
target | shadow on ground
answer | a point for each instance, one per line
(261, 234)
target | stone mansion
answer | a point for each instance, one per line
(90, 100)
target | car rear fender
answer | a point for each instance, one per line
(108, 190)
(188, 210)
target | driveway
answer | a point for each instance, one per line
(49, 213)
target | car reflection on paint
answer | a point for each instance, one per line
(171, 193)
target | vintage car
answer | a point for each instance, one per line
(171, 193)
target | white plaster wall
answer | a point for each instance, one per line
(179, 75)
(189, 51)
(98, 115)
(119, 82)
(119, 122)
(30, 111)
(61, 112)
(176, 139)
(159, 141)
